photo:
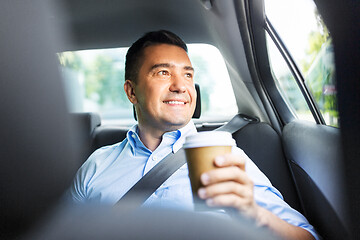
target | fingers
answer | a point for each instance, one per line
(230, 200)
(244, 205)
(231, 173)
(230, 160)
(228, 185)
(231, 168)
(225, 188)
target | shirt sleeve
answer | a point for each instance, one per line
(268, 197)
(78, 191)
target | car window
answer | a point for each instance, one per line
(94, 83)
(307, 39)
(287, 85)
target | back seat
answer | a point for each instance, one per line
(107, 135)
(264, 147)
(258, 140)
(84, 124)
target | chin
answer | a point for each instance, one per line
(175, 124)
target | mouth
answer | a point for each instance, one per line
(174, 102)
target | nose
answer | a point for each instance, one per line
(177, 84)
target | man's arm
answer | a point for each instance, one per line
(230, 186)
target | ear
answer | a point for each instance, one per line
(129, 87)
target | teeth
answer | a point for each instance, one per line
(174, 102)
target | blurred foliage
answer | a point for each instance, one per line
(316, 40)
(70, 60)
(291, 90)
(206, 87)
(104, 79)
(104, 82)
(319, 71)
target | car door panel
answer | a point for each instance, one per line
(315, 156)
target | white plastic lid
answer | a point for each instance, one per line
(209, 138)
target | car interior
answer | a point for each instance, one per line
(43, 143)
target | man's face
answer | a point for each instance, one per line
(164, 93)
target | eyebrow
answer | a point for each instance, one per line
(189, 68)
(167, 65)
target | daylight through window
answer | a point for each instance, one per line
(94, 82)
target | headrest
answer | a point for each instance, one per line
(87, 120)
(197, 112)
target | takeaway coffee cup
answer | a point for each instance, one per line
(201, 150)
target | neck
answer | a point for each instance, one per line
(150, 138)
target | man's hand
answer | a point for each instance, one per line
(230, 186)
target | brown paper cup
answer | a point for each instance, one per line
(201, 150)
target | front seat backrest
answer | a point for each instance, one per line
(36, 152)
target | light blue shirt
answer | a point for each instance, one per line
(112, 170)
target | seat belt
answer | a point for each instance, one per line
(237, 122)
(153, 179)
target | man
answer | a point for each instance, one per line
(159, 83)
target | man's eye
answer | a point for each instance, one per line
(188, 75)
(163, 73)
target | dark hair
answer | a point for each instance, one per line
(134, 55)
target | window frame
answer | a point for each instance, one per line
(259, 26)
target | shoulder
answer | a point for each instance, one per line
(98, 156)
(98, 160)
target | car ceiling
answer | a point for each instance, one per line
(118, 23)
(114, 23)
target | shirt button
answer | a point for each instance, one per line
(154, 158)
(133, 135)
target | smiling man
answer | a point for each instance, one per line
(160, 84)
(162, 92)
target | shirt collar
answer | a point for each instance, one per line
(175, 138)
(135, 142)
(185, 131)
